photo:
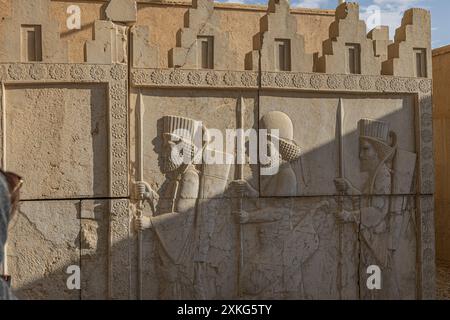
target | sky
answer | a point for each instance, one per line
(391, 13)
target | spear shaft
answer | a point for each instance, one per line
(240, 151)
(341, 114)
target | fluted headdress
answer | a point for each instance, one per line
(377, 132)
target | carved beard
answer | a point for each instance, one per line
(170, 165)
(368, 165)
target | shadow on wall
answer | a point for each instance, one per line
(293, 247)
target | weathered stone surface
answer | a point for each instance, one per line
(348, 29)
(65, 130)
(414, 33)
(145, 55)
(94, 242)
(122, 11)
(13, 42)
(355, 186)
(44, 241)
(278, 24)
(319, 148)
(202, 21)
(216, 110)
(109, 44)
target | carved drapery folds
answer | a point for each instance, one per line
(31, 34)
(201, 44)
(280, 46)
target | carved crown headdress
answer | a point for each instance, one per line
(183, 128)
(373, 129)
(378, 133)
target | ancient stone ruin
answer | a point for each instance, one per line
(89, 117)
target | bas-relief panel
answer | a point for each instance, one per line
(293, 248)
(316, 130)
(65, 129)
(281, 247)
(217, 110)
(44, 241)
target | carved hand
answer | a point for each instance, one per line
(142, 223)
(344, 216)
(148, 194)
(243, 189)
(342, 185)
(243, 216)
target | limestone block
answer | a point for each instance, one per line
(120, 250)
(109, 44)
(31, 34)
(57, 137)
(413, 34)
(212, 255)
(297, 248)
(348, 31)
(145, 55)
(380, 37)
(278, 28)
(427, 250)
(191, 52)
(292, 248)
(44, 240)
(124, 11)
(391, 244)
(94, 249)
(315, 122)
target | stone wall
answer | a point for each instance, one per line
(91, 123)
(441, 116)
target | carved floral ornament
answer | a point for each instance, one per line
(47, 72)
(115, 75)
(277, 80)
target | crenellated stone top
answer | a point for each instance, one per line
(31, 21)
(31, 34)
(411, 39)
(280, 46)
(202, 43)
(349, 49)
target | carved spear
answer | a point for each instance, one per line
(240, 146)
(340, 131)
(140, 173)
(4, 265)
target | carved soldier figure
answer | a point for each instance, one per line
(184, 225)
(383, 220)
(274, 270)
(174, 227)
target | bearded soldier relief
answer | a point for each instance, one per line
(182, 224)
(386, 223)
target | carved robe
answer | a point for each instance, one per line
(387, 236)
(274, 271)
(176, 234)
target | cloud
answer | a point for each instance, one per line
(391, 11)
